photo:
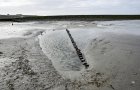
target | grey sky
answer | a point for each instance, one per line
(72, 7)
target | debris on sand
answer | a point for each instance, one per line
(23, 65)
(1, 53)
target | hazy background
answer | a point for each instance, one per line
(69, 7)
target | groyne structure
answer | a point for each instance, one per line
(78, 51)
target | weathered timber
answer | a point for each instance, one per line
(78, 51)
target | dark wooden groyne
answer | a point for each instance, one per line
(78, 51)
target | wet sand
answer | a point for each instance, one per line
(28, 68)
(114, 56)
(48, 61)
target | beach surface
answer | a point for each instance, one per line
(40, 56)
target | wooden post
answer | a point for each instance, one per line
(78, 51)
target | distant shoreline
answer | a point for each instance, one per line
(25, 18)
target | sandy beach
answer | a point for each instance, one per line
(40, 55)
